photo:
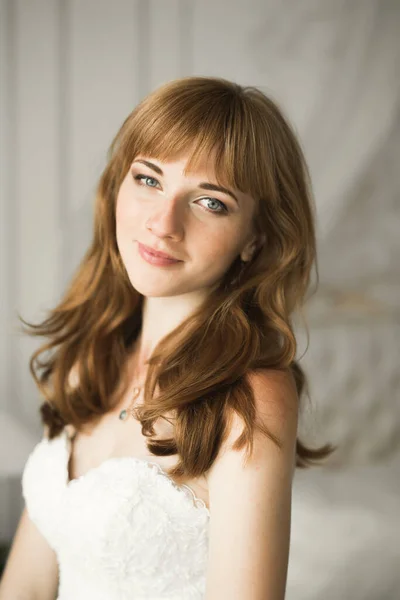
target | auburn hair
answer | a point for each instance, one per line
(201, 368)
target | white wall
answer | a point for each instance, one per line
(71, 71)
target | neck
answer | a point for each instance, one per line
(160, 316)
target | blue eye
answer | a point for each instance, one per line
(222, 210)
(141, 177)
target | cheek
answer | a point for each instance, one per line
(126, 213)
(125, 220)
(218, 249)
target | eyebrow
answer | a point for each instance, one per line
(204, 185)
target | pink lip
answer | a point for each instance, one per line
(156, 252)
(155, 259)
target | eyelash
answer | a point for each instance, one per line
(224, 210)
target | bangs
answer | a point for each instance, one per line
(195, 122)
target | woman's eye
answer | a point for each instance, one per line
(222, 207)
(144, 177)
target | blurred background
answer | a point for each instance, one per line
(71, 71)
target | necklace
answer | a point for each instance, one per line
(125, 412)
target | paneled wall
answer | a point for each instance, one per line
(71, 71)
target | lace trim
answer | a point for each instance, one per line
(198, 502)
(68, 437)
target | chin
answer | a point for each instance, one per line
(154, 289)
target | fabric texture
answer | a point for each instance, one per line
(122, 531)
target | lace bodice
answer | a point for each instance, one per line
(122, 531)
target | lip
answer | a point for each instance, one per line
(157, 253)
(153, 259)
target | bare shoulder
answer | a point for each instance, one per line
(277, 409)
(276, 400)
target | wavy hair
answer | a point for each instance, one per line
(200, 369)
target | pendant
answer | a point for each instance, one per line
(123, 415)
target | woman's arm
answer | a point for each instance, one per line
(31, 571)
(251, 504)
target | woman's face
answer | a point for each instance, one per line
(206, 229)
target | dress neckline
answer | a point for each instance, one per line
(198, 503)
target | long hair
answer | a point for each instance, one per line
(199, 371)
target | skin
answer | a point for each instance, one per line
(172, 214)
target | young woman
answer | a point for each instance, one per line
(171, 388)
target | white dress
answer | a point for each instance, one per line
(122, 531)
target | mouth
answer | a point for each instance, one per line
(153, 252)
(156, 258)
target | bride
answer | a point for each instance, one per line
(170, 382)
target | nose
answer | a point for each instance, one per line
(167, 220)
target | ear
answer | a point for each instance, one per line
(251, 246)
